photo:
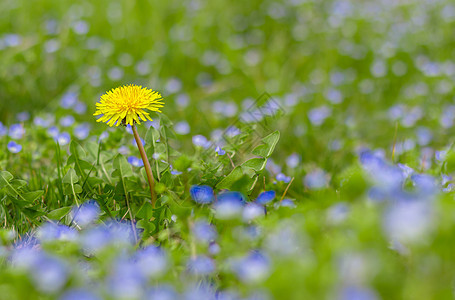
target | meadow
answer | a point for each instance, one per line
(304, 150)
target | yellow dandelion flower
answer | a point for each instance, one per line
(127, 105)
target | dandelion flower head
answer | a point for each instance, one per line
(128, 104)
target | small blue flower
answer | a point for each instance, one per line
(14, 147)
(103, 135)
(124, 280)
(318, 115)
(82, 131)
(129, 129)
(49, 274)
(67, 121)
(80, 108)
(252, 268)
(220, 151)
(162, 292)
(425, 184)
(63, 138)
(53, 232)
(204, 232)
(77, 294)
(232, 196)
(23, 116)
(201, 265)
(357, 293)
(136, 162)
(12, 40)
(151, 261)
(16, 131)
(68, 100)
(86, 214)
(316, 179)
(95, 239)
(53, 132)
(293, 160)
(123, 150)
(201, 141)
(232, 131)
(337, 213)
(287, 203)
(182, 128)
(265, 197)
(202, 194)
(3, 129)
(253, 211)
(43, 122)
(199, 291)
(214, 248)
(229, 205)
(282, 177)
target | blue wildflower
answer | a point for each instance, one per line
(63, 138)
(49, 274)
(229, 205)
(202, 194)
(23, 116)
(220, 151)
(200, 265)
(16, 131)
(67, 121)
(255, 267)
(357, 293)
(3, 129)
(265, 197)
(68, 100)
(151, 261)
(78, 294)
(284, 178)
(182, 128)
(316, 179)
(201, 141)
(14, 147)
(52, 232)
(86, 214)
(161, 292)
(204, 232)
(82, 131)
(252, 211)
(125, 281)
(80, 108)
(136, 162)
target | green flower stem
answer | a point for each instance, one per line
(148, 169)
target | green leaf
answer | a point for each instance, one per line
(77, 150)
(267, 148)
(68, 189)
(230, 179)
(94, 180)
(32, 213)
(257, 164)
(59, 213)
(70, 177)
(32, 196)
(261, 150)
(145, 212)
(182, 163)
(5, 178)
(122, 167)
(151, 136)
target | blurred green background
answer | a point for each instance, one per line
(373, 72)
